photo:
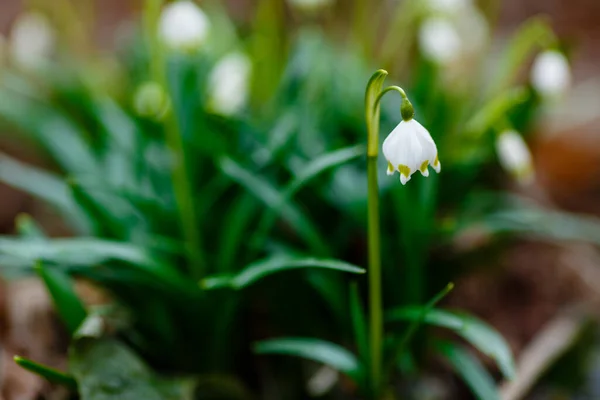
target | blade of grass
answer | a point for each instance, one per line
(485, 338)
(45, 186)
(469, 369)
(272, 198)
(412, 328)
(316, 350)
(67, 303)
(50, 374)
(261, 269)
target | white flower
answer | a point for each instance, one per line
(449, 6)
(228, 84)
(439, 40)
(310, 5)
(410, 148)
(550, 74)
(514, 155)
(183, 25)
(32, 40)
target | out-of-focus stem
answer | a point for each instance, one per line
(181, 182)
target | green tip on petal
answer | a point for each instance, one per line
(424, 166)
(404, 170)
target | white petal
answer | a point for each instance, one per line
(550, 73)
(402, 146)
(429, 148)
(404, 179)
(183, 25)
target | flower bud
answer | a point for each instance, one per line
(406, 110)
(151, 101)
(183, 26)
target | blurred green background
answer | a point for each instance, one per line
(177, 221)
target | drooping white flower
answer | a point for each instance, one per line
(514, 155)
(32, 40)
(439, 41)
(449, 6)
(551, 74)
(229, 84)
(310, 6)
(410, 148)
(183, 25)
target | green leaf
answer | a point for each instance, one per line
(321, 164)
(308, 172)
(261, 269)
(64, 140)
(485, 338)
(67, 303)
(316, 350)
(237, 220)
(27, 228)
(272, 198)
(106, 369)
(415, 323)
(494, 111)
(50, 374)
(543, 224)
(359, 324)
(372, 113)
(45, 186)
(83, 252)
(533, 34)
(470, 370)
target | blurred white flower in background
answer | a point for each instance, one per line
(454, 29)
(183, 25)
(410, 148)
(229, 84)
(32, 40)
(310, 6)
(551, 74)
(514, 156)
(150, 100)
(439, 41)
(449, 6)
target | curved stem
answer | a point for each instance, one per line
(389, 89)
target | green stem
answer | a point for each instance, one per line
(375, 293)
(181, 181)
(373, 97)
(372, 112)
